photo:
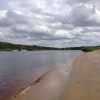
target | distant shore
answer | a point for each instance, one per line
(84, 82)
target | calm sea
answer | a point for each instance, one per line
(19, 69)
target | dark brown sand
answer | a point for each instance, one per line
(84, 82)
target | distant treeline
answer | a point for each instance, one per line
(4, 46)
(10, 47)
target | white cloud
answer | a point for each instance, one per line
(26, 4)
(51, 23)
(3, 13)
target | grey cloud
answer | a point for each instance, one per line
(85, 30)
(50, 38)
(40, 11)
(12, 18)
(37, 35)
(71, 2)
(80, 16)
(62, 27)
(18, 18)
(56, 38)
(5, 22)
(64, 19)
(47, 17)
(30, 33)
(36, 10)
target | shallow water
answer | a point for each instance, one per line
(19, 69)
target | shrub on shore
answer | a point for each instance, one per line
(90, 48)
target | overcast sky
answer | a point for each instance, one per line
(56, 23)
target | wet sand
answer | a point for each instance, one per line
(49, 86)
(84, 82)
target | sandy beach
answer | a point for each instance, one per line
(84, 82)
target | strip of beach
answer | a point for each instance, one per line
(83, 83)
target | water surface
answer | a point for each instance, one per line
(19, 69)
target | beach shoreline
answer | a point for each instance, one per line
(48, 86)
(84, 81)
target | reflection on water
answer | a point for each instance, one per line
(19, 69)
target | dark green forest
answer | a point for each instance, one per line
(4, 46)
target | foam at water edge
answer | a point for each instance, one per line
(21, 93)
(27, 88)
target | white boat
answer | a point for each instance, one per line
(23, 49)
